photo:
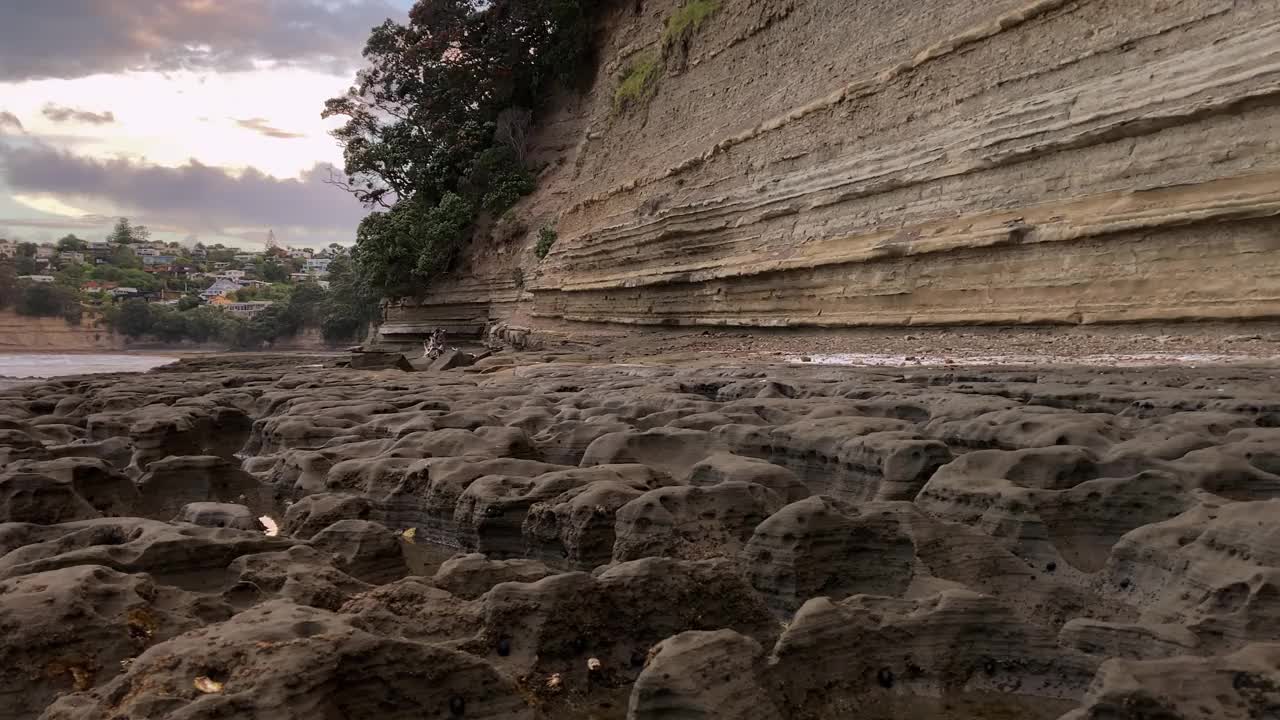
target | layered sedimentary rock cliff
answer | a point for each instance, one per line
(823, 163)
(18, 332)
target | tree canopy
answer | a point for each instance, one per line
(72, 243)
(430, 134)
(126, 233)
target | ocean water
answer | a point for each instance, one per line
(27, 366)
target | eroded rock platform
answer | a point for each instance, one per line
(558, 537)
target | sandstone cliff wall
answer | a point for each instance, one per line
(863, 162)
(18, 332)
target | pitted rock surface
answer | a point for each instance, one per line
(729, 540)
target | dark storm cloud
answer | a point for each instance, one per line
(61, 113)
(9, 120)
(261, 126)
(195, 196)
(74, 38)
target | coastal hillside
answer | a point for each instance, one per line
(810, 163)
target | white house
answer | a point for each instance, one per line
(301, 254)
(8, 248)
(220, 287)
(232, 275)
(317, 266)
(146, 251)
(245, 257)
(45, 252)
(71, 256)
(37, 278)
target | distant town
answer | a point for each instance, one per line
(165, 272)
(114, 278)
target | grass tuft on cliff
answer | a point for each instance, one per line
(686, 21)
(546, 238)
(639, 81)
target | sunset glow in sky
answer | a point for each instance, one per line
(200, 119)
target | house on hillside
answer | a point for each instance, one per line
(158, 259)
(248, 309)
(121, 293)
(46, 252)
(8, 248)
(45, 279)
(71, 256)
(232, 275)
(221, 288)
(245, 257)
(317, 266)
(98, 286)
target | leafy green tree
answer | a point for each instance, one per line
(122, 256)
(350, 305)
(72, 276)
(266, 327)
(427, 133)
(72, 243)
(209, 324)
(134, 318)
(405, 248)
(47, 300)
(188, 302)
(274, 272)
(27, 249)
(106, 273)
(168, 324)
(306, 304)
(26, 265)
(8, 283)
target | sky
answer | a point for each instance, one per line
(197, 118)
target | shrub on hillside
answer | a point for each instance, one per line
(546, 238)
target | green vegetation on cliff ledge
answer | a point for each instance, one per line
(436, 122)
(686, 21)
(639, 81)
(640, 75)
(546, 238)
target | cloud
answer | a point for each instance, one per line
(195, 197)
(9, 120)
(61, 113)
(76, 38)
(261, 126)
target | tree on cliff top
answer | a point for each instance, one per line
(422, 137)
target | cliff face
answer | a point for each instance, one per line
(30, 334)
(824, 163)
